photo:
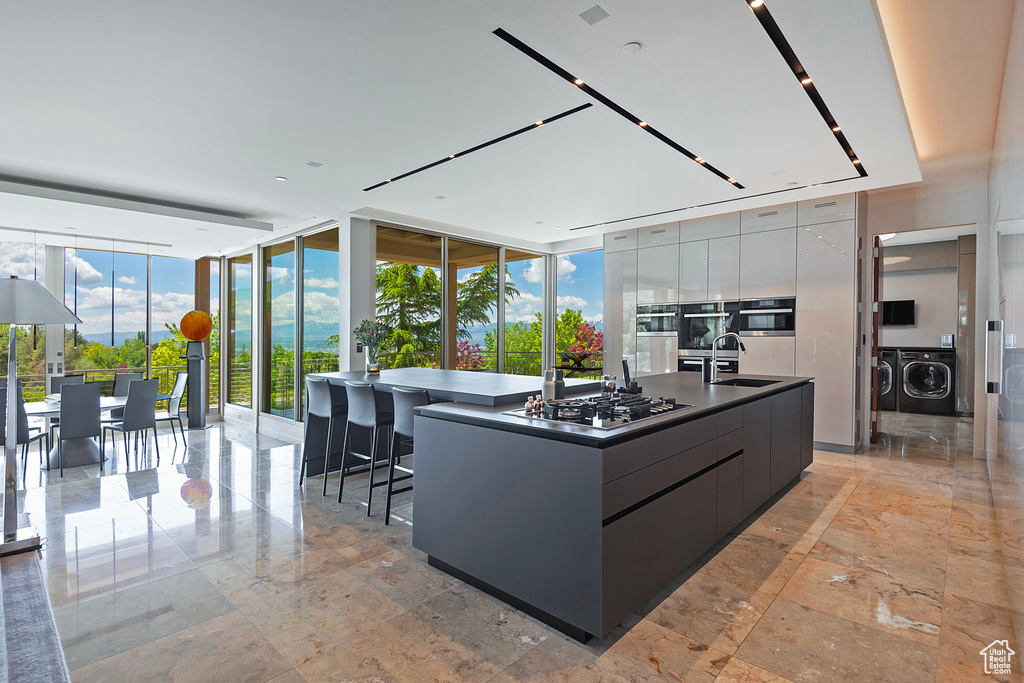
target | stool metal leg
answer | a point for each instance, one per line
(373, 466)
(344, 456)
(391, 477)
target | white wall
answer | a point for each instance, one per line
(935, 292)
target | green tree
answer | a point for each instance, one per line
(409, 305)
(132, 352)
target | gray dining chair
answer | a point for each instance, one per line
(122, 382)
(55, 384)
(26, 435)
(79, 417)
(174, 407)
(406, 401)
(139, 416)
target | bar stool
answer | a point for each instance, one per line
(319, 404)
(363, 411)
(406, 401)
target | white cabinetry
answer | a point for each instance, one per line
(667, 233)
(620, 241)
(826, 324)
(768, 264)
(724, 268)
(827, 210)
(657, 274)
(655, 355)
(768, 218)
(693, 271)
(769, 356)
(619, 310)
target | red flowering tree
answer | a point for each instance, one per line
(468, 356)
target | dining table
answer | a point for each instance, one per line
(77, 452)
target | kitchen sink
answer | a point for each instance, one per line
(742, 382)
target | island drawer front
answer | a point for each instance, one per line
(625, 491)
(635, 455)
(730, 420)
(730, 444)
(645, 550)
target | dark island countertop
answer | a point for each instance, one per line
(464, 386)
(684, 387)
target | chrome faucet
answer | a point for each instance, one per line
(714, 352)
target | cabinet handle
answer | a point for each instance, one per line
(993, 356)
(620, 237)
(821, 206)
(767, 213)
(657, 232)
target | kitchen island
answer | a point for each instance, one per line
(578, 525)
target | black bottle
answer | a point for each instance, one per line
(559, 385)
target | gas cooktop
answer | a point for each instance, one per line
(603, 411)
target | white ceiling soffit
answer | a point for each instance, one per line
(930, 235)
(202, 104)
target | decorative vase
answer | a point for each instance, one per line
(372, 364)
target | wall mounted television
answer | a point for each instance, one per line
(898, 312)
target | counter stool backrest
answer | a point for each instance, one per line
(79, 410)
(362, 403)
(123, 380)
(318, 397)
(57, 382)
(406, 401)
(140, 408)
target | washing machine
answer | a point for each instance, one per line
(927, 381)
(1011, 394)
(887, 391)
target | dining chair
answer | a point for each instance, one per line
(55, 384)
(25, 436)
(122, 382)
(174, 407)
(79, 417)
(364, 411)
(406, 400)
(139, 416)
(319, 403)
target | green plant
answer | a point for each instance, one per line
(370, 334)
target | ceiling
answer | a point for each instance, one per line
(202, 105)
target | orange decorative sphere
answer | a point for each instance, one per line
(196, 325)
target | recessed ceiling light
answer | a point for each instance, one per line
(388, 180)
(731, 180)
(540, 123)
(855, 160)
(440, 196)
(699, 160)
(280, 178)
(756, 3)
(71, 228)
(630, 48)
(538, 222)
(643, 124)
(202, 229)
(792, 182)
(805, 79)
(835, 129)
(558, 227)
(314, 164)
(451, 156)
(578, 81)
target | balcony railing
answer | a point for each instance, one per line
(33, 386)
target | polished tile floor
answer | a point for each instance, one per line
(898, 564)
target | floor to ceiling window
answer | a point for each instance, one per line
(320, 316)
(524, 306)
(27, 262)
(173, 296)
(579, 336)
(473, 278)
(409, 297)
(239, 331)
(279, 329)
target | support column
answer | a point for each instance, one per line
(357, 259)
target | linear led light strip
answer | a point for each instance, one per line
(450, 157)
(775, 34)
(578, 82)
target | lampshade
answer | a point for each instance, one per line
(27, 302)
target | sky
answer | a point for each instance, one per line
(580, 286)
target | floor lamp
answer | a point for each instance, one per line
(22, 302)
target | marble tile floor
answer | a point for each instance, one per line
(898, 564)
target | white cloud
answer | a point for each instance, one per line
(599, 305)
(278, 273)
(17, 258)
(319, 307)
(534, 272)
(597, 318)
(125, 280)
(87, 275)
(321, 283)
(565, 268)
(283, 308)
(564, 302)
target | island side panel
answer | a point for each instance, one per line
(517, 512)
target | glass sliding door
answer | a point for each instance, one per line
(173, 296)
(279, 329)
(579, 336)
(320, 316)
(524, 307)
(473, 280)
(409, 297)
(239, 331)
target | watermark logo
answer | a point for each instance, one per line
(997, 657)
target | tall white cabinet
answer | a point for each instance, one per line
(620, 279)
